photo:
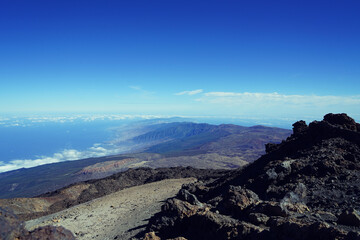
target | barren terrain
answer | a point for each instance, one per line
(120, 215)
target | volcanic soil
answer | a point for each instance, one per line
(120, 215)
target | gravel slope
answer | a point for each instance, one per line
(120, 215)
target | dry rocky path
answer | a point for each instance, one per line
(120, 215)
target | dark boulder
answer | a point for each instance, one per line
(342, 120)
(269, 147)
(237, 199)
(350, 218)
(189, 197)
(299, 127)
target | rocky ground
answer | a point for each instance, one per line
(11, 228)
(125, 210)
(306, 187)
(45, 204)
(120, 215)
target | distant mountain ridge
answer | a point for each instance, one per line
(200, 138)
(163, 145)
(175, 130)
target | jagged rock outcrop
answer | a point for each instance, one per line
(306, 187)
(12, 228)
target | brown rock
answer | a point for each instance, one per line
(238, 198)
(181, 208)
(151, 236)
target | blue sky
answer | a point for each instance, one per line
(262, 59)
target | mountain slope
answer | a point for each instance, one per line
(51, 202)
(26, 182)
(137, 203)
(306, 187)
(167, 145)
(226, 138)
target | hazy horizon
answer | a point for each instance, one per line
(243, 62)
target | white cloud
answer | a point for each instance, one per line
(193, 92)
(278, 105)
(276, 98)
(34, 120)
(66, 155)
(16, 164)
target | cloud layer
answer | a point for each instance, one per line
(193, 92)
(274, 105)
(276, 98)
(33, 120)
(66, 155)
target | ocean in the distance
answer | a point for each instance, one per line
(26, 142)
(47, 142)
(29, 142)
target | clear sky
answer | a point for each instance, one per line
(177, 57)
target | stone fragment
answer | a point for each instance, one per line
(189, 197)
(151, 236)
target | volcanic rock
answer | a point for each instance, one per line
(30, 208)
(237, 199)
(351, 218)
(50, 233)
(191, 198)
(301, 189)
(299, 127)
(151, 236)
(12, 228)
(341, 120)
